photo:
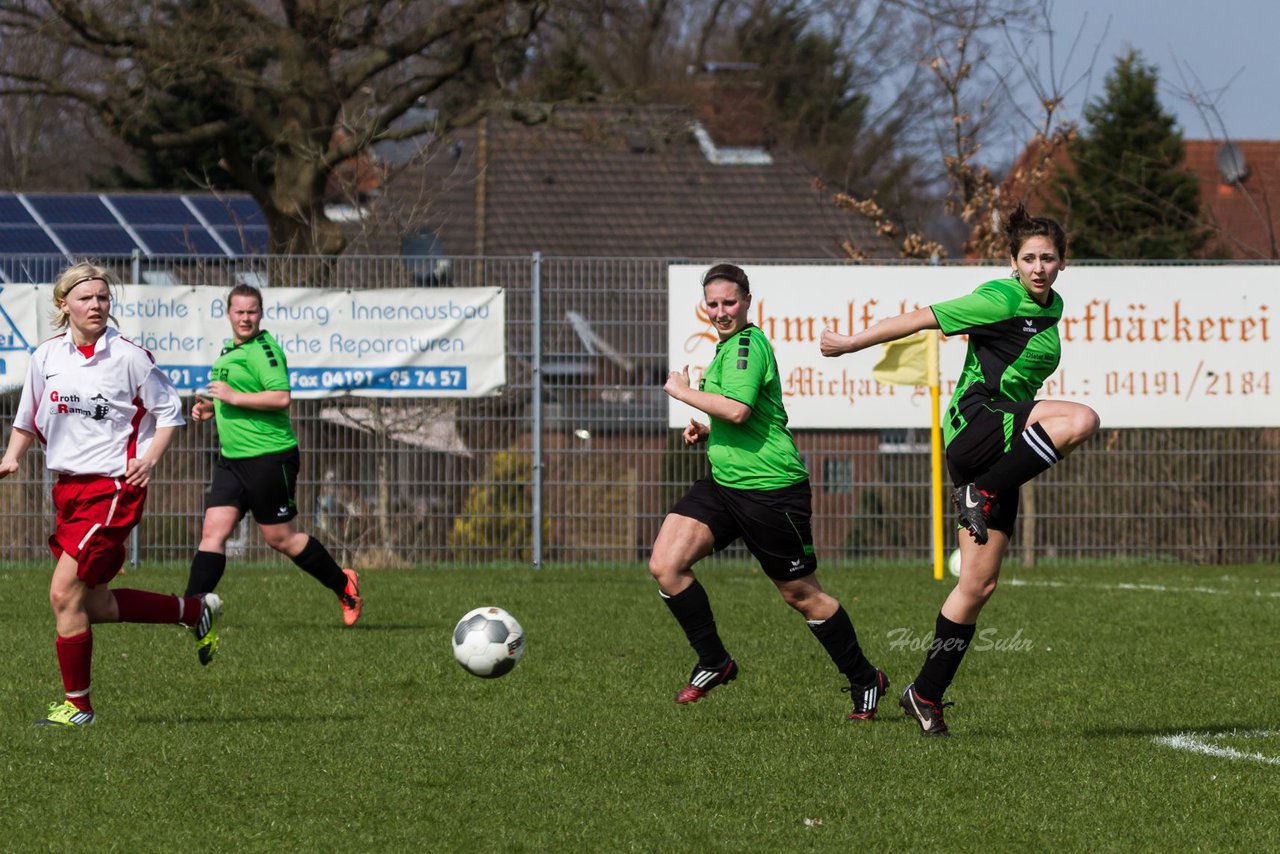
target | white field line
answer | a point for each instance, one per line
(1199, 743)
(1149, 588)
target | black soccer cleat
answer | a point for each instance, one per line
(703, 679)
(972, 506)
(927, 714)
(867, 697)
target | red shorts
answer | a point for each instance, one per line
(95, 516)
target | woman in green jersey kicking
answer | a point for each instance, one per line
(758, 491)
(998, 436)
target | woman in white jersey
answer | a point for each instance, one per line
(105, 415)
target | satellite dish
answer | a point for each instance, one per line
(1231, 164)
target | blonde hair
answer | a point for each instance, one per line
(72, 276)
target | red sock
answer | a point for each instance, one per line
(143, 606)
(75, 658)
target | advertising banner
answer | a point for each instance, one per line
(1144, 346)
(18, 335)
(396, 342)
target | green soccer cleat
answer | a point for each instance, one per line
(206, 631)
(66, 714)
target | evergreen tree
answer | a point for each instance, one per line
(813, 103)
(1125, 193)
(565, 74)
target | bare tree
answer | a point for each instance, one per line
(973, 87)
(639, 49)
(987, 97)
(195, 75)
(41, 137)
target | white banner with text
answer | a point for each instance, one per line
(1144, 346)
(395, 342)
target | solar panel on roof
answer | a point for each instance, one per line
(26, 238)
(164, 224)
(247, 212)
(214, 211)
(245, 241)
(236, 210)
(100, 240)
(153, 210)
(12, 212)
(193, 240)
(71, 209)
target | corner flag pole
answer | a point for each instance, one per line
(935, 443)
(914, 361)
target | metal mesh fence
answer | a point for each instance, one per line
(474, 481)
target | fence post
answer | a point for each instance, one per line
(535, 308)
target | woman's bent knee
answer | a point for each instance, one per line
(664, 572)
(1087, 422)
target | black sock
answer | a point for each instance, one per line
(1033, 452)
(837, 636)
(692, 610)
(206, 572)
(315, 560)
(950, 643)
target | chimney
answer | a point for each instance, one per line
(730, 103)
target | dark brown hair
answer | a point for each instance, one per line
(728, 272)
(1020, 226)
(243, 290)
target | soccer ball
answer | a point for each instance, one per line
(488, 642)
(953, 563)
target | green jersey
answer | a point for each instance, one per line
(1013, 346)
(256, 365)
(759, 453)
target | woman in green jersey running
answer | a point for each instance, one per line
(257, 469)
(758, 491)
(998, 436)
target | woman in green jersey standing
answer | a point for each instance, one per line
(758, 491)
(998, 436)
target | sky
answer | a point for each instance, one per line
(1226, 49)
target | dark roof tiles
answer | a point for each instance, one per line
(612, 181)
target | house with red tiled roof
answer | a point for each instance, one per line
(1239, 194)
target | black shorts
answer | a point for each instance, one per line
(988, 436)
(773, 523)
(264, 486)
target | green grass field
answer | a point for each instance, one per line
(303, 735)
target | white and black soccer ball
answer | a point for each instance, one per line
(488, 642)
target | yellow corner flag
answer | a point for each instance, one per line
(905, 361)
(914, 361)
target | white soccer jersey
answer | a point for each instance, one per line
(94, 415)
